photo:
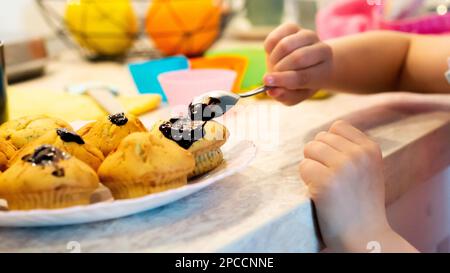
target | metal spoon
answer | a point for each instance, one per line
(226, 100)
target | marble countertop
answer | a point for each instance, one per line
(265, 208)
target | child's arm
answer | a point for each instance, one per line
(390, 61)
(343, 170)
(299, 63)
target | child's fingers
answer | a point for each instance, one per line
(290, 97)
(324, 154)
(336, 141)
(301, 79)
(290, 43)
(349, 132)
(276, 92)
(312, 171)
(304, 57)
(278, 34)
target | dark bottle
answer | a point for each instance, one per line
(3, 102)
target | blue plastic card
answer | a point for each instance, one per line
(145, 74)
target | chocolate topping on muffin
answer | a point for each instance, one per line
(69, 136)
(183, 131)
(45, 155)
(118, 119)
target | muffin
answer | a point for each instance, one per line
(106, 133)
(47, 179)
(67, 141)
(7, 151)
(145, 164)
(24, 130)
(202, 139)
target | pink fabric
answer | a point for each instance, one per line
(346, 17)
(432, 24)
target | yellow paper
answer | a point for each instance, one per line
(71, 107)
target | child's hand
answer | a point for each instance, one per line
(298, 62)
(343, 169)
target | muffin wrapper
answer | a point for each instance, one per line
(206, 161)
(138, 189)
(48, 200)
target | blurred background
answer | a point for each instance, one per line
(243, 19)
(24, 17)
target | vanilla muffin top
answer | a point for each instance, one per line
(24, 130)
(107, 132)
(47, 169)
(145, 157)
(69, 142)
(7, 151)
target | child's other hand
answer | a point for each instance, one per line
(343, 170)
(298, 62)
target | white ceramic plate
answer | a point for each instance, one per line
(236, 159)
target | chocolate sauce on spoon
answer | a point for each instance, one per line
(206, 110)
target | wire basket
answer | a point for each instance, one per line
(53, 13)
